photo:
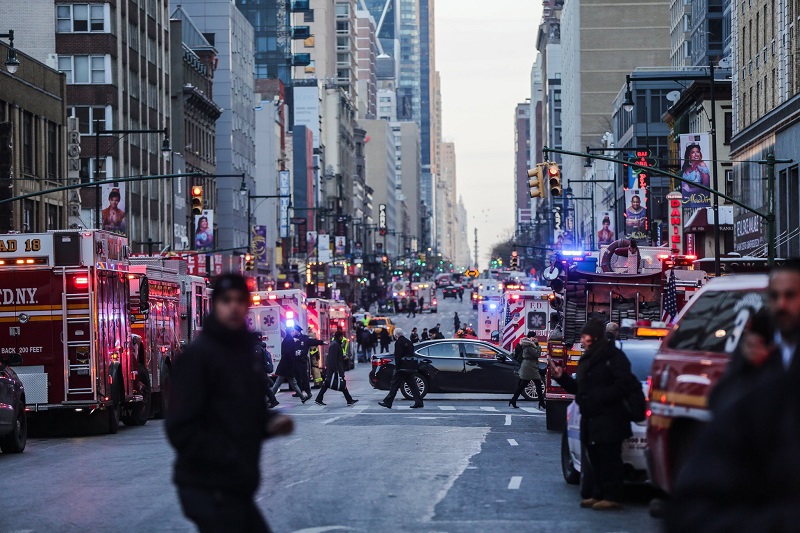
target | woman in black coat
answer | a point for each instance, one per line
(335, 368)
(602, 383)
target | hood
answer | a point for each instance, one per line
(526, 341)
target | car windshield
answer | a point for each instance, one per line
(377, 322)
(641, 355)
(715, 321)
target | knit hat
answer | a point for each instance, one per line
(594, 329)
(229, 282)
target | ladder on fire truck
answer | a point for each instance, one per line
(76, 340)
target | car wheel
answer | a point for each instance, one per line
(571, 475)
(422, 383)
(15, 441)
(530, 391)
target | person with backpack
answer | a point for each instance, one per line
(603, 385)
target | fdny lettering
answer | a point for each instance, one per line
(9, 245)
(19, 297)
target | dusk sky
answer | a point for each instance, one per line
(484, 52)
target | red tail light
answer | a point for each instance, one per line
(81, 282)
(382, 361)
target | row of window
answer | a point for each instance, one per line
(86, 69)
(82, 18)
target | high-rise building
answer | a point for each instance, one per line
(447, 175)
(386, 17)
(381, 176)
(522, 162)
(367, 48)
(407, 169)
(116, 61)
(227, 29)
(272, 31)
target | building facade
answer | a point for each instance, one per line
(367, 49)
(522, 162)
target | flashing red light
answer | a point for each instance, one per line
(515, 296)
(663, 256)
(434, 301)
(552, 170)
(287, 284)
(691, 257)
(273, 296)
(256, 299)
(81, 282)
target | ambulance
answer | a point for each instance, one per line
(488, 327)
(427, 291)
(273, 312)
(319, 322)
(65, 308)
(173, 315)
(523, 312)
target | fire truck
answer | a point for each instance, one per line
(66, 307)
(167, 308)
(427, 291)
(273, 312)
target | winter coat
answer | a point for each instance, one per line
(414, 338)
(385, 338)
(600, 388)
(217, 415)
(286, 364)
(335, 361)
(404, 358)
(743, 472)
(529, 369)
(373, 339)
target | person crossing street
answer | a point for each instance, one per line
(405, 369)
(286, 368)
(334, 372)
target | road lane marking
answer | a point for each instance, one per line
(447, 408)
(489, 409)
(334, 419)
(533, 410)
(515, 482)
(513, 442)
(508, 420)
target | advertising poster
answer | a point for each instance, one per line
(340, 246)
(695, 152)
(606, 233)
(324, 243)
(112, 214)
(636, 224)
(311, 243)
(259, 239)
(204, 231)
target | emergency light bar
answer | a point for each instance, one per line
(651, 332)
(572, 253)
(24, 261)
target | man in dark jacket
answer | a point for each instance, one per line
(263, 353)
(385, 340)
(602, 384)
(302, 345)
(412, 308)
(286, 366)
(335, 367)
(405, 369)
(218, 417)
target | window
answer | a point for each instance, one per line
(87, 169)
(444, 349)
(308, 16)
(342, 10)
(88, 117)
(479, 351)
(728, 127)
(81, 18)
(84, 69)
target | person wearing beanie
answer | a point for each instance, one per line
(218, 449)
(601, 385)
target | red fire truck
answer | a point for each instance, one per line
(65, 307)
(172, 313)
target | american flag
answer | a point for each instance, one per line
(671, 299)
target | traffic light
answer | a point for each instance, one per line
(554, 175)
(249, 262)
(197, 200)
(514, 263)
(536, 181)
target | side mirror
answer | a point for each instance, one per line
(12, 359)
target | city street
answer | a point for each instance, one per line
(464, 463)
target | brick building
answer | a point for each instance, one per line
(33, 118)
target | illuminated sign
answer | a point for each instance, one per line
(675, 201)
(640, 157)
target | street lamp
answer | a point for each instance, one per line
(12, 63)
(627, 104)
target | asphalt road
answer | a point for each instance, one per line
(464, 463)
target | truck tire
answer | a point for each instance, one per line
(138, 414)
(15, 441)
(571, 476)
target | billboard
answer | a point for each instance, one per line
(340, 246)
(311, 243)
(606, 233)
(694, 168)
(112, 214)
(285, 200)
(306, 110)
(204, 231)
(636, 223)
(324, 244)
(259, 240)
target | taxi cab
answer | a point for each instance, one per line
(377, 323)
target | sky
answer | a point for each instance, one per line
(484, 53)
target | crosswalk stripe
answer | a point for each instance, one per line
(447, 408)
(515, 483)
(489, 409)
(532, 410)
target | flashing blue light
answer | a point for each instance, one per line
(493, 306)
(290, 323)
(572, 253)
(533, 285)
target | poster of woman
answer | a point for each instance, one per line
(636, 214)
(606, 234)
(204, 231)
(112, 216)
(694, 169)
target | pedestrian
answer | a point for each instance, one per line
(414, 338)
(373, 342)
(600, 388)
(269, 368)
(334, 371)
(421, 304)
(456, 323)
(302, 345)
(412, 308)
(403, 304)
(435, 333)
(768, 346)
(461, 294)
(315, 356)
(425, 335)
(218, 448)
(612, 333)
(529, 369)
(286, 367)
(385, 340)
(405, 369)
(359, 346)
(365, 340)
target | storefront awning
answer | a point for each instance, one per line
(702, 220)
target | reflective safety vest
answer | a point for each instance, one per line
(345, 344)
